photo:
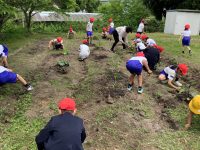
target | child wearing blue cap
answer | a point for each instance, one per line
(134, 66)
(186, 39)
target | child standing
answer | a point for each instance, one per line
(6, 76)
(134, 66)
(194, 106)
(84, 50)
(104, 34)
(57, 43)
(186, 39)
(141, 27)
(89, 30)
(111, 29)
(70, 32)
(4, 54)
(168, 74)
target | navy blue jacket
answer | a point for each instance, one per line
(62, 132)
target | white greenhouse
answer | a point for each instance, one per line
(177, 19)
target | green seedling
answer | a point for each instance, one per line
(63, 63)
(66, 51)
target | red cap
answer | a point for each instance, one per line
(91, 19)
(143, 20)
(138, 35)
(67, 104)
(140, 54)
(155, 46)
(85, 41)
(70, 29)
(187, 26)
(183, 68)
(144, 37)
(160, 49)
(59, 39)
(104, 29)
(110, 20)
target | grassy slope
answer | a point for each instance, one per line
(21, 129)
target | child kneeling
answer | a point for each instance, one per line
(134, 66)
(104, 34)
(6, 76)
(84, 50)
(168, 74)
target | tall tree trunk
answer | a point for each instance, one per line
(1, 27)
(28, 20)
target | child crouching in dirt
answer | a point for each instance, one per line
(104, 34)
(6, 76)
(57, 43)
(137, 36)
(134, 66)
(84, 50)
(168, 74)
(140, 46)
(4, 55)
(71, 31)
(194, 106)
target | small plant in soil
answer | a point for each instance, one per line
(95, 38)
(71, 36)
(100, 45)
(188, 89)
(65, 51)
(175, 60)
(63, 63)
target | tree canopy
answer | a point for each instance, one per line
(158, 8)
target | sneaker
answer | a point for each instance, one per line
(190, 52)
(140, 90)
(90, 42)
(182, 52)
(111, 50)
(177, 83)
(129, 87)
(53, 49)
(29, 88)
(164, 81)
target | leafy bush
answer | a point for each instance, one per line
(63, 63)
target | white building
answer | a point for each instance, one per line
(177, 19)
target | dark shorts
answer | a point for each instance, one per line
(163, 72)
(134, 66)
(111, 31)
(89, 33)
(186, 41)
(58, 46)
(7, 77)
(5, 51)
(139, 33)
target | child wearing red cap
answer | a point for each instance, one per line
(111, 29)
(104, 34)
(4, 55)
(186, 39)
(137, 36)
(64, 131)
(134, 66)
(141, 27)
(70, 32)
(168, 74)
(89, 30)
(194, 106)
(57, 43)
(147, 41)
(6, 76)
(84, 50)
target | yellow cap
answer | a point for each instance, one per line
(195, 104)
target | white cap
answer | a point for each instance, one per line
(138, 40)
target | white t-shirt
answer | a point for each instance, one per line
(186, 33)
(140, 59)
(141, 26)
(2, 69)
(71, 32)
(112, 25)
(171, 73)
(104, 33)
(140, 46)
(55, 41)
(90, 26)
(150, 41)
(1, 50)
(84, 51)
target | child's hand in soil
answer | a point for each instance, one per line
(178, 88)
(187, 126)
(149, 71)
